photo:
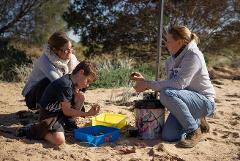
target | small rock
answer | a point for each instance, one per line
(234, 114)
(225, 136)
(160, 147)
(128, 150)
(73, 156)
(151, 152)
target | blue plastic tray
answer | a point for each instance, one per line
(96, 135)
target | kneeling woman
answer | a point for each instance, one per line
(187, 92)
(56, 61)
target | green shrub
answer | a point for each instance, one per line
(115, 73)
(14, 63)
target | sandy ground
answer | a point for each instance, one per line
(222, 143)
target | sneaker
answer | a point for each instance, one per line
(191, 139)
(204, 126)
(24, 131)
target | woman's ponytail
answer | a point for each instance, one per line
(195, 38)
(183, 33)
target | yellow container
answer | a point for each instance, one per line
(110, 119)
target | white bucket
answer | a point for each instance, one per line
(149, 118)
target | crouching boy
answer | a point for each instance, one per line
(62, 98)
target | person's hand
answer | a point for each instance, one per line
(94, 110)
(140, 86)
(136, 76)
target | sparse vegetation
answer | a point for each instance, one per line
(224, 57)
(116, 73)
(15, 65)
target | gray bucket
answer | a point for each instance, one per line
(149, 118)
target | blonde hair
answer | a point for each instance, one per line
(183, 33)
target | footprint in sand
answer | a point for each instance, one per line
(215, 115)
(233, 95)
(233, 122)
(229, 134)
(215, 133)
(221, 112)
(237, 118)
(217, 100)
(225, 136)
(135, 159)
(236, 104)
(234, 114)
(217, 86)
(217, 82)
(235, 135)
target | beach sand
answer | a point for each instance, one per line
(222, 143)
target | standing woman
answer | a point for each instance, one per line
(187, 92)
(57, 60)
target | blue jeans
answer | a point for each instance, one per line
(186, 108)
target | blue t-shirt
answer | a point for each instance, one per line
(60, 90)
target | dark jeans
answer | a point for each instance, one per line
(35, 94)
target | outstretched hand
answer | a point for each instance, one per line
(140, 84)
(136, 76)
